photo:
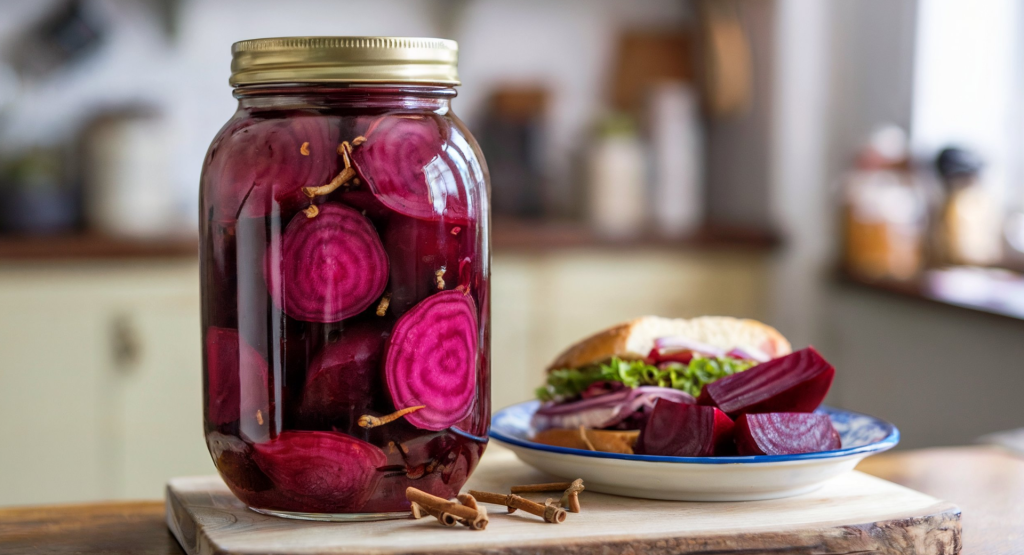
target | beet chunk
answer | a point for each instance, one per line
(785, 433)
(343, 378)
(331, 267)
(405, 162)
(417, 251)
(797, 382)
(257, 165)
(236, 382)
(685, 430)
(325, 471)
(431, 360)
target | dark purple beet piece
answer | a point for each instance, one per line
(331, 267)
(237, 380)
(405, 163)
(797, 382)
(684, 430)
(431, 360)
(417, 250)
(343, 378)
(325, 471)
(255, 165)
(785, 433)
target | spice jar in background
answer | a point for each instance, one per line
(884, 211)
(345, 259)
(970, 220)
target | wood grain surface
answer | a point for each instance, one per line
(853, 513)
(986, 482)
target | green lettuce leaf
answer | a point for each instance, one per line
(568, 383)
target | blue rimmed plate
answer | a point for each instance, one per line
(697, 478)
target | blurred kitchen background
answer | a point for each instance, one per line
(850, 171)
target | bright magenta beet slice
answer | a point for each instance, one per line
(685, 430)
(258, 165)
(797, 382)
(431, 360)
(343, 379)
(785, 433)
(330, 267)
(326, 471)
(236, 380)
(405, 163)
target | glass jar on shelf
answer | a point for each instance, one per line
(345, 261)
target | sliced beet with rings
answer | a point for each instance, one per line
(405, 163)
(257, 166)
(343, 379)
(325, 471)
(236, 381)
(431, 360)
(330, 267)
(785, 433)
(797, 382)
(685, 430)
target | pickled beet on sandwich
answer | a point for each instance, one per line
(708, 386)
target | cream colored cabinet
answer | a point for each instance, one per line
(100, 380)
(100, 383)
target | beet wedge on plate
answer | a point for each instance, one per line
(797, 382)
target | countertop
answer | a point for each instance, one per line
(986, 482)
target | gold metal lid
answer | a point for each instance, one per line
(345, 60)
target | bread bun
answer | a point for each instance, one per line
(635, 339)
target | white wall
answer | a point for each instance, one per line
(563, 44)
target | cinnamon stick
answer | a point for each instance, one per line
(433, 503)
(550, 513)
(446, 519)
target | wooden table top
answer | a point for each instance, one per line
(987, 483)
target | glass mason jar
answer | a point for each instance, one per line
(345, 296)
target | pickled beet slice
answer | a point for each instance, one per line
(237, 380)
(797, 382)
(325, 471)
(343, 378)
(331, 267)
(431, 360)
(785, 433)
(256, 165)
(405, 164)
(684, 430)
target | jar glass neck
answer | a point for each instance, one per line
(435, 98)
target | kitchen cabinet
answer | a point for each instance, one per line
(100, 378)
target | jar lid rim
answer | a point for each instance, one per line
(324, 59)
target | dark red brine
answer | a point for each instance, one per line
(345, 261)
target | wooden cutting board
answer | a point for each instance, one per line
(853, 513)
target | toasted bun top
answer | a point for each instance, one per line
(635, 339)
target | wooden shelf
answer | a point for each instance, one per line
(918, 290)
(94, 247)
(518, 235)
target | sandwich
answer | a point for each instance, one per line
(603, 388)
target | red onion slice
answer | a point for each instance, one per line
(431, 360)
(331, 267)
(676, 343)
(604, 411)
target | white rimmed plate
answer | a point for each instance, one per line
(697, 478)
